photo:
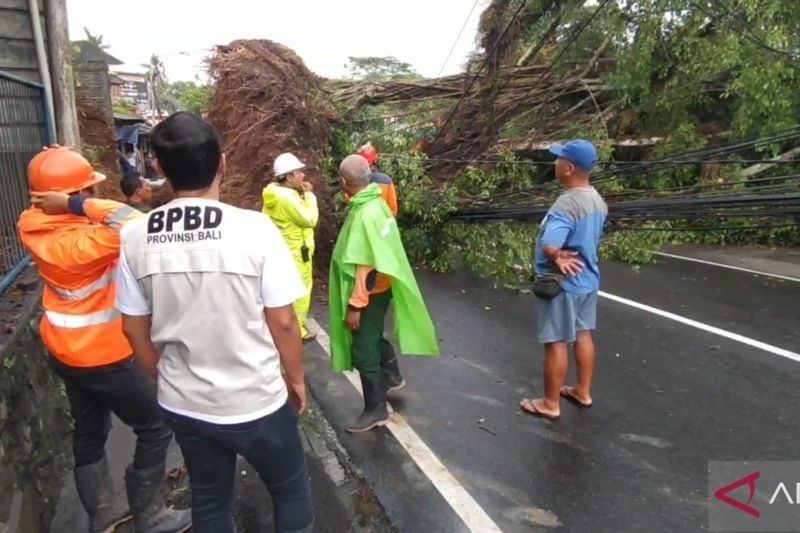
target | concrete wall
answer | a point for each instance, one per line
(35, 425)
(17, 49)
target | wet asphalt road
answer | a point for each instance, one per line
(668, 399)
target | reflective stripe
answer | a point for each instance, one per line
(83, 292)
(62, 320)
(121, 215)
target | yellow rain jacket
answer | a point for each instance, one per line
(296, 216)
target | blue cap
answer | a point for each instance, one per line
(579, 152)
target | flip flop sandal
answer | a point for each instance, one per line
(567, 394)
(529, 408)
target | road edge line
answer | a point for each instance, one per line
(723, 265)
(464, 505)
(705, 327)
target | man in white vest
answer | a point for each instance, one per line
(206, 292)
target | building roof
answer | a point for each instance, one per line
(90, 53)
(135, 77)
(121, 119)
(113, 79)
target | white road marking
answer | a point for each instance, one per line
(705, 327)
(472, 514)
(723, 265)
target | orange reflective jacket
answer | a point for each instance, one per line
(77, 257)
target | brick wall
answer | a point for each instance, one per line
(95, 115)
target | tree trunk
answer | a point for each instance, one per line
(61, 72)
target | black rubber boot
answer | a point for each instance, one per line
(375, 411)
(96, 492)
(150, 515)
(391, 378)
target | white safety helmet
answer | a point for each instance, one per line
(286, 163)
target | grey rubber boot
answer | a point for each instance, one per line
(96, 493)
(150, 515)
(375, 411)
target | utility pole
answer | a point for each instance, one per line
(61, 73)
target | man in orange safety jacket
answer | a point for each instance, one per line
(74, 240)
(388, 191)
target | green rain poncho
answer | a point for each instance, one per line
(370, 237)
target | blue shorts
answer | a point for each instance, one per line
(560, 319)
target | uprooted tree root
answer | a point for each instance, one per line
(267, 102)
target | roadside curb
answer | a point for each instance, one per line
(355, 494)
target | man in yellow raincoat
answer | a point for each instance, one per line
(291, 204)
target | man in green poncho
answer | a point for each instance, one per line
(369, 271)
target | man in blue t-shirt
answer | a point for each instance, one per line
(569, 237)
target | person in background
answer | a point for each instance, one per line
(137, 191)
(132, 157)
(74, 240)
(567, 251)
(386, 184)
(150, 167)
(290, 202)
(206, 292)
(369, 246)
(125, 168)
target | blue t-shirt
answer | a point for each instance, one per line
(574, 222)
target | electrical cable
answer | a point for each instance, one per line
(530, 162)
(458, 37)
(711, 228)
(478, 73)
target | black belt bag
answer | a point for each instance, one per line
(547, 286)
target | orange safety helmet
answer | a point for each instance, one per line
(61, 170)
(369, 153)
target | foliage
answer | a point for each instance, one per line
(682, 62)
(124, 107)
(379, 68)
(95, 40)
(92, 153)
(190, 96)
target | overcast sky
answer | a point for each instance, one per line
(323, 32)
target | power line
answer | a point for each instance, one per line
(574, 37)
(748, 32)
(756, 39)
(532, 162)
(461, 32)
(633, 170)
(710, 228)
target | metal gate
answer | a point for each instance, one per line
(24, 130)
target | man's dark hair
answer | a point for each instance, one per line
(130, 183)
(188, 151)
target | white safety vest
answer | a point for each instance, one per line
(205, 271)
